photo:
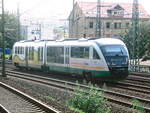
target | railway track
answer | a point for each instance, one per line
(141, 74)
(133, 87)
(18, 102)
(139, 78)
(3, 109)
(112, 96)
(6, 61)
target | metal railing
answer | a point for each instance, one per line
(140, 68)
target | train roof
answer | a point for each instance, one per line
(74, 41)
(110, 41)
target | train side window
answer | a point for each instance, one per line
(55, 55)
(60, 51)
(80, 52)
(22, 50)
(50, 54)
(74, 52)
(41, 53)
(29, 53)
(95, 54)
(38, 53)
(32, 53)
(15, 50)
(19, 50)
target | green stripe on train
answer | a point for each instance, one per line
(78, 71)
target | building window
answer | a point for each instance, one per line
(115, 25)
(91, 25)
(115, 13)
(108, 25)
(119, 25)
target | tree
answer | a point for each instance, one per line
(144, 40)
(11, 29)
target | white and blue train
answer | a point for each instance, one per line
(101, 59)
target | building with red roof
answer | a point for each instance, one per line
(115, 19)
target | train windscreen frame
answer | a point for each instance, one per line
(115, 55)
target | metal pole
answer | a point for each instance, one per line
(98, 20)
(3, 41)
(73, 25)
(135, 34)
(40, 31)
(18, 18)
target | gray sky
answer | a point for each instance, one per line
(53, 8)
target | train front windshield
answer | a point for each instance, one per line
(115, 55)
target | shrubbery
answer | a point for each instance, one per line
(91, 101)
(137, 107)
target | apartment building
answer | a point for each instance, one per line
(115, 19)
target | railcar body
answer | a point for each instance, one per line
(103, 59)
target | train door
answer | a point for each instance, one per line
(96, 60)
(67, 56)
(80, 58)
(26, 56)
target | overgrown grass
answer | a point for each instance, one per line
(137, 107)
(91, 101)
(49, 98)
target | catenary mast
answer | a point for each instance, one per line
(98, 19)
(135, 32)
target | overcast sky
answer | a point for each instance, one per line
(53, 8)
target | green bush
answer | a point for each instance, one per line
(91, 101)
(137, 106)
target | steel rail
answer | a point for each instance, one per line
(132, 87)
(140, 74)
(56, 83)
(138, 78)
(3, 109)
(42, 106)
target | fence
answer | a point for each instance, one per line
(140, 68)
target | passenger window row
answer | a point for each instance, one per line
(19, 50)
(40, 54)
(56, 54)
(31, 53)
